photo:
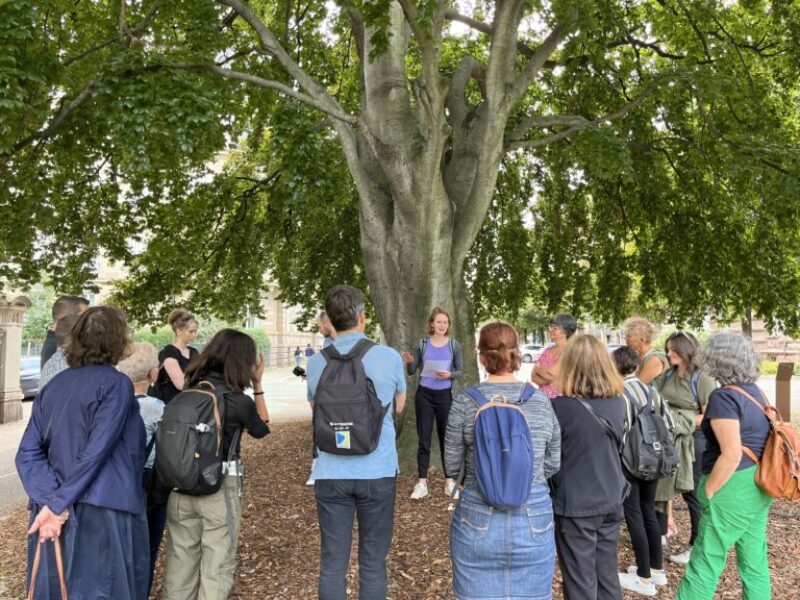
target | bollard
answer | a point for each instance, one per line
(783, 390)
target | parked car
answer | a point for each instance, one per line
(29, 374)
(530, 352)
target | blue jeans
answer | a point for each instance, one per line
(338, 500)
(499, 554)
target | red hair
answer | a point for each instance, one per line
(499, 347)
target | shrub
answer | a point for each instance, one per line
(770, 367)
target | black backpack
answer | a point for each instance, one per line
(648, 451)
(348, 415)
(189, 441)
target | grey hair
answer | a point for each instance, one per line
(142, 360)
(730, 359)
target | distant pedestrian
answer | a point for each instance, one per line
(589, 489)
(142, 369)
(298, 357)
(545, 372)
(81, 460)
(502, 553)
(435, 392)
(734, 508)
(58, 362)
(62, 307)
(309, 351)
(175, 357)
(363, 485)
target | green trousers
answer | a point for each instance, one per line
(735, 516)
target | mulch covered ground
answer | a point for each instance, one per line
(278, 552)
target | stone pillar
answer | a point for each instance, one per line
(11, 314)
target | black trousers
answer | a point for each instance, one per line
(643, 527)
(431, 405)
(692, 503)
(587, 556)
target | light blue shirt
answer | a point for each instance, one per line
(384, 367)
(151, 409)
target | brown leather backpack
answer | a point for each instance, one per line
(778, 471)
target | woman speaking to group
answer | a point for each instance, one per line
(438, 357)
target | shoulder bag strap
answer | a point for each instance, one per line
(62, 582)
(603, 423)
(770, 417)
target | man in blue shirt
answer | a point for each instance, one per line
(364, 485)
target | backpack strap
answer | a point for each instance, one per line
(693, 385)
(206, 387)
(361, 347)
(527, 393)
(477, 396)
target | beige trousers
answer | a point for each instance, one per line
(201, 556)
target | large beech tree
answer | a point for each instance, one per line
(604, 154)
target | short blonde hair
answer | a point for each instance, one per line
(143, 359)
(587, 371)
(641, 328)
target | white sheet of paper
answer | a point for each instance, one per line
(431, 366)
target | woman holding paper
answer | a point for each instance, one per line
(439, 360)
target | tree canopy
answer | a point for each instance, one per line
(598, 156)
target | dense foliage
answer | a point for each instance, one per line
(652, 164)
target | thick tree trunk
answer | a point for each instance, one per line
(410, 270)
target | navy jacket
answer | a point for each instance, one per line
(85, 442)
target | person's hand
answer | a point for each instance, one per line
(48, 524)
(258, 372)
(407, 358)
(443, 374)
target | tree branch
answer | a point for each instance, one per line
(581, 123)
(137, 31)
(629, 40)
(429, 50)
(270, 84)
(468, 68)
(58, 120)
(271, 46)
(545, 121)
(538, 60)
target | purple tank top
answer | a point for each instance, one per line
(437, 353)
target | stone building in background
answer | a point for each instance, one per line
(278, 320)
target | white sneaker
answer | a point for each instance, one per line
(420, 491)
(658, 577)
(634, 583)
(310, 481)
(682, 558)
(449, 486)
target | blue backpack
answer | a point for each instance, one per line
(502, 450)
